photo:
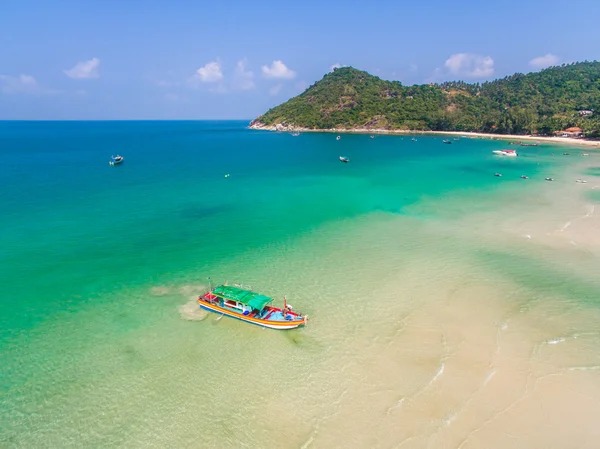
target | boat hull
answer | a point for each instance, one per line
(292, 324)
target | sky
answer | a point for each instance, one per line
(196, 59)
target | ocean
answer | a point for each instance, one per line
(448, 307)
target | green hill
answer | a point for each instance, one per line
(540, 102)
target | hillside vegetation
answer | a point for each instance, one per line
(540, 102)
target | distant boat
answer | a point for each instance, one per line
(372, 137)
(549, 179)
(585, 154)
(295, 134)
(344, 159)
(511, 153)
(524, 177)
(338, 137)
(582, 181)
(413, 139)
(456, 138)
(498, 174)
(446, 141)
(514, 143)
(565, 154)
(115, 160)
(529, 144)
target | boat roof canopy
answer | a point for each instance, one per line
(252, 299)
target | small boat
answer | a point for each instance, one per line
(116, 160)
(511, 153)
(251, 307)
(524, 177)
(549, 179)
(585, 154)
(498, 174)
(372, 137)
(446, 141)
(345, 159)
(514, 143)
(413, 139)
(565, 154)
(456, 139)
(338, 137)
(582, 181)
(529, 144)
(295, 134)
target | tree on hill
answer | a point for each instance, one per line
(539, 102)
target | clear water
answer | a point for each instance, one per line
(409, 249)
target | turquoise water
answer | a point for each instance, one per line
(97, 261)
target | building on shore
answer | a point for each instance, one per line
(570, 132)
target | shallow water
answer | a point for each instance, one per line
(448, 307)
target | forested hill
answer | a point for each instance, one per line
(540, 102)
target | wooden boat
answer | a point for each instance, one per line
(115, 160)
(245, 305)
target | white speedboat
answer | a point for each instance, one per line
(115, 160)
(344, 159)
(511, 153)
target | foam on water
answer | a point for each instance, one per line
(191, 312)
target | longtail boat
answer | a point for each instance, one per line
(251, 307)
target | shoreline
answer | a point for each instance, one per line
(468, 134)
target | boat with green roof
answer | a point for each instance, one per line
(245, 305)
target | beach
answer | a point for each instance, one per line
(472, 135)
(448, 307)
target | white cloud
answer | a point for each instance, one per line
(275, 89)
(541, 62)
(18, 84)
(209, 73)
(469, 65)
(278, 70)
(23, 84)
(84, 69)
(337, 65)
(243, 79)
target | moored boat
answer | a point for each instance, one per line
(511, 153)
(446, 141)
(115, 160)
(344, 159)
(251, 307)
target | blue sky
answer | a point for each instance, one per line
(186, 59)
